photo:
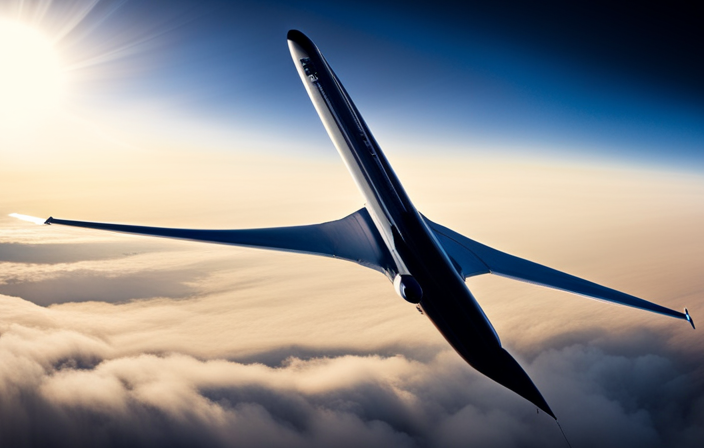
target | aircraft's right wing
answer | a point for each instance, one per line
(353, 238)
(475, 258)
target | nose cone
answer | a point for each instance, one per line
(301, 39)
(301, 47)
(295, 35)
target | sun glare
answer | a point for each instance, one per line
(31, 77)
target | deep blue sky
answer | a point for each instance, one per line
(621, 83)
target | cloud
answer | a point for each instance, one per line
(116, 271)
(72, 252)
(85, 286)
(66, 387)
(186, 344)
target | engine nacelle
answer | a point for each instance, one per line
(408, 288)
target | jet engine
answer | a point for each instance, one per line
(408, 288)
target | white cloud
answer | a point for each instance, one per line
(187, 344)
(60, 376)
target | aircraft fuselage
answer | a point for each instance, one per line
(416, 252)
(446, 300)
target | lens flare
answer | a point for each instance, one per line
(31, 80)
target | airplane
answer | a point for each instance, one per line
(426, 262)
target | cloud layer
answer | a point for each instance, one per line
(109, 340)
(61, 387)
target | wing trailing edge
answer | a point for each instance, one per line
(474, 258)
(353, 238)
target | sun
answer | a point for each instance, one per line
(31, 77)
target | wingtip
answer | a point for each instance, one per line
(689, 318)
(49, 220)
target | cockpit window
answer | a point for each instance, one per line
(309, 69)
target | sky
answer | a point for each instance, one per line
(569, 135)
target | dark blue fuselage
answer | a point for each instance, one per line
(446, 300)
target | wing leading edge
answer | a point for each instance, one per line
(474, 258)
(353, 238)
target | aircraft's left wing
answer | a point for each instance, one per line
(353, 238)
(474, 258)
